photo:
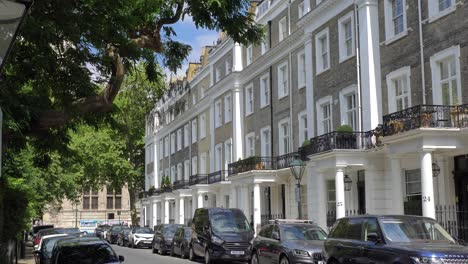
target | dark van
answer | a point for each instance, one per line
(220, 234)
(391, 239)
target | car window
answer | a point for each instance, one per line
(302, 232)
(87, 254)
(371, 227)
(354, 228)
(266, 231)
(340, 229)
(170, 230)
(187, 232)
(116, 228)
(229, 222)
(143, 230)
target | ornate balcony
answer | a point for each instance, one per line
(425, 116)
(181, 184)
(198, 179)
(283, 161)
(217, 176)
(251, 163)
(341, 141)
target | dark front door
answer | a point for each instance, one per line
(361, 185)
(461, 191)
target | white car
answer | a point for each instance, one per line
(38, 248)
(140, 237)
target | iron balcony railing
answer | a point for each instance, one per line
(331, 215)
(283, 161)
(342, 140)
(217, 176)
(251, 163)
(198, 179)
(181, 184)
(425, 116)
(454, 219)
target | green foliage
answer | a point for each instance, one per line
(306, 142)
(344, 128)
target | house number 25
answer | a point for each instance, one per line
(339, 204)
(426, 198)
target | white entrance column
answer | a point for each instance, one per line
(257, 217)
(194, 203)
(427, 185)
(182, 210)
(156, 175)
(237, 124)
(233, 197)
(317, 197)
(166, 211)
(309, 84)
(340, 192)
(397, 186)
(200, 200)
(244, 201)
(155, 215)
(370, 63)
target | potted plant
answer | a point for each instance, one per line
(306, 143)
(345, 138)
(459, 116)
(151, 190)
(426, 119)
(396, 126)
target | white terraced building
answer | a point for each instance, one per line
(395, 71)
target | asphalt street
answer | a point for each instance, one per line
(145, 256)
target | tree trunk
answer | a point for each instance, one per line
(133, 212)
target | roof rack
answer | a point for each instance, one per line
(277, 221)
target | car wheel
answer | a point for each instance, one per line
(284, 260)
(191, 254)
(182, 252)
(254, 259)
(154, 250)
(161, 250)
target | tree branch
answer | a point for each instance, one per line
(171, 20)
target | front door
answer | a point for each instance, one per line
(361, 186)
(461, 191)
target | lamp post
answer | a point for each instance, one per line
(297, 167)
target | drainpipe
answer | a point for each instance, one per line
(421, 50)
(271, 93)
(290, 104)
(358, 67)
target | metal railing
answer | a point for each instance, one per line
(331, 215)
(265, 218)
(181, 184)
(249, 164)
(198, 179)
(283, 161)
(425, 116)
(217, 176)
(342, 140)
(454, 219)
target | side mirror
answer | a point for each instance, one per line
(373, 237)
(121, 258)
(275, 236)
(36, 247)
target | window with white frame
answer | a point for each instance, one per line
(218, 74)
(218, 157)
(186, 135)
(264, 45)
(282, 29)
(249, 54)
(173, 143)
(300, 9)
(179, 172)
(283, 80)
(303, 134)
(227, 109)
(227, 153)
(322, 53)
(173, 173)
(167, 173)
(446, 79)
(324, 115)
(218, 114)
(194, 165)
(301, 70)
(439, 8)
(194, 99)
(203, 163)
(399, 89)
(166, 146)
(413, 185)
(202, 126)
(228, 66)
(250, 145)
(395, 18)
(348, 105)
(161, 149)
(284, 136)
(346, 36)
(186, 170)
(264, 90)
(179, 139)
(249, 100)
(331, 195)
(194, 131)
(265, 139)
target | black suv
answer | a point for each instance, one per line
(162, 239)
(391, 239)
(220, 234)
(288, 241)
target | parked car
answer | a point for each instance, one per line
(111, 235)
(122, 237)
(99, 230)
(36, 229)
(220, 234)
(105, 229)
(140, 237)
(84, 250)
(44, 232)
(391, 239)
(180, 243)
(162, 239)
(41, 251)
(288, 241)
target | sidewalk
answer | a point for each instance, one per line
(29, 255)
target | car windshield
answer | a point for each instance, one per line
(126, 231)
(406, 230)
(69, 230)
(229, 222)
(299, 232)
(116, 228)
(87, 254)
(187, 232)
(169, 231)
(143, 230)
(48, 246)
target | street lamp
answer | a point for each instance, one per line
(12, 14)
(347, 183)
(297, 167)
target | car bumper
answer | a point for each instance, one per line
(219, 253)
(297, 260)
(143, 242)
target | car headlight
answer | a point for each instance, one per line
(217, 240)
(427, 260)
(300, 253)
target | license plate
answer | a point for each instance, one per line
(320, 262)
(237, 252)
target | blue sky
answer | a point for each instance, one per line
(197, 38)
